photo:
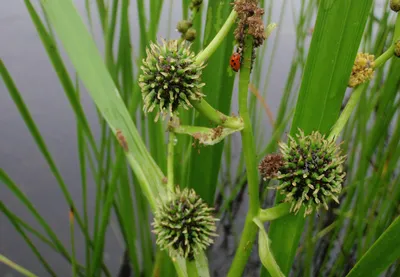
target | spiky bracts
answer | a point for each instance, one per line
(170, 78)
(184, 224)
(363, 69)
(310, 169)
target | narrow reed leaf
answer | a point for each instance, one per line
(105, 214)
(16, 267)
(13, 219)
(33, 129)
(62, 73)
(382, 253)
(6, 180)
(86, 58)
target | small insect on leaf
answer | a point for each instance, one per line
(122, 141)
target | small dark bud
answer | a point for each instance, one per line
(195, 4)
(183, 26)
(190, 34)
(395, 5)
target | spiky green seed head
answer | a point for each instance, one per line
(395, 5)
(312, 172)
(170, 78)
(184, 225)
(397, 48)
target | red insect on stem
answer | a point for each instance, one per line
(235, 61)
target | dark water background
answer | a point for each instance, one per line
(22, 52)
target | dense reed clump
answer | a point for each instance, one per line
(170, 78)
(184, 224)
(310, 170)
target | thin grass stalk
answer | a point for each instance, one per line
(28, 241)
(82, 168)
(62, 73)
(16, 267)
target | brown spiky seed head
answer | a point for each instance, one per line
(170, 78)
(184, 224)
(270, 165)
(363, 69)
(312, 173)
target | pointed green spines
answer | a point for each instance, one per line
(170, 78)
(310, 169)
(184, 225)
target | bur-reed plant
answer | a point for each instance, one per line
(169, 79)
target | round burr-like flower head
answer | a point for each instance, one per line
(170, 78)
(184, 224)
(310, 170)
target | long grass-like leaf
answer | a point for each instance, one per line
(381, 254)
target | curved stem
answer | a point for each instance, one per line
(213, 45)
(345, 115)
(216, 116)
(274, 212)
(250, 228)
(384, 57)
(170, 161)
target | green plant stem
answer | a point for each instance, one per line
(384, 57)
(345, 115)
(250, 228)
(191, 268)
(16, 267)
(216, 116)
(170, 161)
(218, 39)
(274, 212)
